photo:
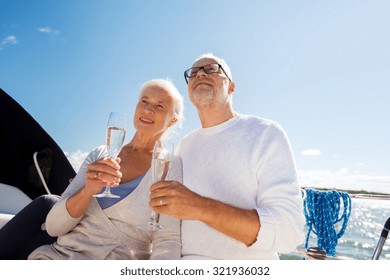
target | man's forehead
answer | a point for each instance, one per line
(204, 61)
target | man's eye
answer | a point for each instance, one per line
(194, 72)
(211, 68)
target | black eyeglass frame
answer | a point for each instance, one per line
(187, 77)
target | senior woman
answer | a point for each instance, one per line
(105, 228)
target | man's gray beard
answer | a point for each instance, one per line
(203, 99)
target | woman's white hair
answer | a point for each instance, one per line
(168, 85)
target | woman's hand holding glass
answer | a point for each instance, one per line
(101, 173)
(116, 133)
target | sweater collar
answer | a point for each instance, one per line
(220, 127)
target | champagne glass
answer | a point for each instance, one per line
(116, 132)
(160, 166)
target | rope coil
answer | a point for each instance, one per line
(322, 213)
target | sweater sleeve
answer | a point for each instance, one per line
(58, 220)
(280, 206)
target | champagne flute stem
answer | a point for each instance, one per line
(154, 217)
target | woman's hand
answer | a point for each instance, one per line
(102, 172)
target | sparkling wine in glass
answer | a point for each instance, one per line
(116, 133)
(159, 167)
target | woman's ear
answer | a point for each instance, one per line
(173, 121)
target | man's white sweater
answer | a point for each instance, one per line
(246, 162)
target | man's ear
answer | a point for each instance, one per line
(232, 87)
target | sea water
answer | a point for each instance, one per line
(364, 228)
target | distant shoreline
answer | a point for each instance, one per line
(355, 193)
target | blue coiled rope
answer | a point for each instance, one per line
(322, 213)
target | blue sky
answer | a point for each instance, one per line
(319, 68)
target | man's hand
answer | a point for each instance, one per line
(174, 199)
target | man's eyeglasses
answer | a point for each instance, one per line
(208, 69)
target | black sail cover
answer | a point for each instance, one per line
(20, 137)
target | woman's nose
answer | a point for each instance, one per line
(148, 107)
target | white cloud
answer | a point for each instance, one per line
(344, 179)
(76, 158)
(343, 171)
(48, 30)
(311, 152)
(10, 40)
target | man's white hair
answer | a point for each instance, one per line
(219, 60)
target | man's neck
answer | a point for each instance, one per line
(211, 117)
